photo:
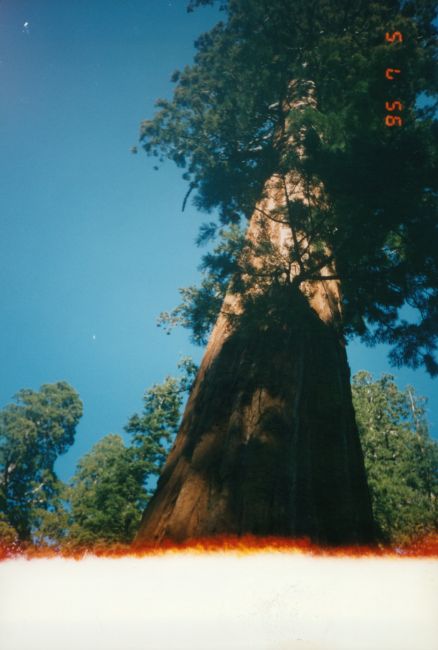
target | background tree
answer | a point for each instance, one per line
(281, 120)
(112, 483)
(107, 495)
(8, 535)
(401, 459)
(52, 526)
(154, 430)
(33, 433)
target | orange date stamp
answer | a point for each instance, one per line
(393, 107)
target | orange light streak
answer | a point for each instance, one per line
(426, 547)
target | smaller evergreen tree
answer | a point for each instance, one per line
(111, 486)
(34, 431)
(153, 432)
(106, 495)
(401, 459)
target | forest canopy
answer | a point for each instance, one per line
(230, 125)
(111, 486)
(104, 501)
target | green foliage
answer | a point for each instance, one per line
(8, 534)
(109, 490)
(154, 430)
(200, 305)
(230, 125)
(104, 501)
(401, 459)
(106, 495)
(33, 433)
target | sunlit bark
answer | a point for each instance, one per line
(268, 444)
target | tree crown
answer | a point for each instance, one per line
(235, 121)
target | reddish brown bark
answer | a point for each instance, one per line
(268, 444)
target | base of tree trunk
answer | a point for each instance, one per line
(268, 444)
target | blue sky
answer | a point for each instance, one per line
(93, 242)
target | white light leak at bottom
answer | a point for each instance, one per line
(219, 602)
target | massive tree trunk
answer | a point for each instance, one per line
(268, 444)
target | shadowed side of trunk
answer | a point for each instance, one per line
(268, 444)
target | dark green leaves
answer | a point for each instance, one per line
(401, 459)
(107, 495)
(111, 485)
(33, 433)
(230, 126)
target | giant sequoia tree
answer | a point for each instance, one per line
(281, 121)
